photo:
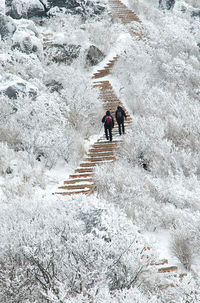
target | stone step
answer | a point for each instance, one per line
(111, 101)
(81, 176)
(161, 262)
(84, 192)
(92, 164)
(167, 269)
(84, 170)
(110, 65)
(103, 86)
(103, 81)
(98, 159)
(100, 154)
(103, 141)
(81, 186)
(104, 145)
(74, 181)
(103, 70)
(108, 94)
(106, 89)
(88, 164)
(102, 149)
(98, 76)
(101, 74)
(113, 105)
(126, 15)
(106, 70)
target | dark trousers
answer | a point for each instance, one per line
(108, 130)
(121, 126)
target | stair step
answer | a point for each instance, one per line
(101, 150)
(103, 70)
(107, 88)
(108, 142)
(81, 176)
(82, 186)
(100, 154)
(91, 164)
(74, 181)
(85, 170)
(88, 164)
(103, 86)
(161, 262)
(99, 159)
(85, 192)
(104, 145)
(167, 269)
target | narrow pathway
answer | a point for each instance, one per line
(102, 151)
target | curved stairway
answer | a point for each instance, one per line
(102, 151)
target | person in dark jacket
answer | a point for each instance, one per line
(108, 124)
(120, 115)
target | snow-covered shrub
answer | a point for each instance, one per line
(6, 155)
(26, 66)
(58, 250)
(21, 174)
(181, 248)
(102, 33)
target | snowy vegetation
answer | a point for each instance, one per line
(58, 249)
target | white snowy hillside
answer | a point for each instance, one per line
(136, 237)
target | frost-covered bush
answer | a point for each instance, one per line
(159, 79)
(181, 248)
(152, 201)
(7, 155)
(21, 174)
(102, 33)
(56, 250)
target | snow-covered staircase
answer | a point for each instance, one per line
(121, 11)
(102, 151)
(106, 70)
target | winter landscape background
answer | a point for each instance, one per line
(89, 248)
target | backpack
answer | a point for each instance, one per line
(108, 121)
(119, 114)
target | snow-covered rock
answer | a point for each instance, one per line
(82, 7)
(94, 56)
(54, 86)
(62, 52)
(166, 4)
(26, 38)
(26, 42)
(27, 25)
(7, 26)
(26, 9)
(12, 85)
